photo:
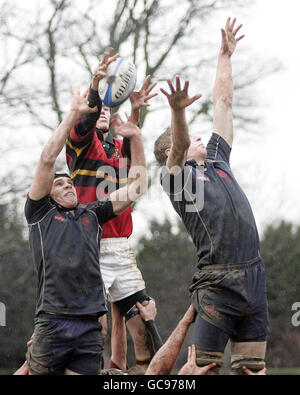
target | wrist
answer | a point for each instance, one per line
(225, 55)
(178, 111)
(136, 132)
(135, 115)
(95, 84)
(74, 114)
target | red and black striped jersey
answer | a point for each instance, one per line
(96, 173)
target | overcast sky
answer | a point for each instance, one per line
(266, 165)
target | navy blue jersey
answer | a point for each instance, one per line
(213, 208)
(65, 249)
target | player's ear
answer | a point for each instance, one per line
(167, 151)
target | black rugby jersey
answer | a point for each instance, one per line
(213, 208)
(65, 250)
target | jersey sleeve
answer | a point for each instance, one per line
(175, 185)
(35, 210)
(84, 130)
(218, 149)
(103, 209)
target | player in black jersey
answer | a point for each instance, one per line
(228, 291)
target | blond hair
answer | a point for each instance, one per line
(163, 142)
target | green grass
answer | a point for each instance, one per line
(287, 371)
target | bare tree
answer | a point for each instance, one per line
(56, 43)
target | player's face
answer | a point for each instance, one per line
(104, 119)
(197, 150)
(64, 192)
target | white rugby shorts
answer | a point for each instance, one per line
(119, 270)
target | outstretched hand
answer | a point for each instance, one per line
(140, 98)
(191, 367)
(101, 69)
(79, 103)
(125, 129)
(179, 98)
(229, 40)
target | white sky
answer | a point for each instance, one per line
(266, 164)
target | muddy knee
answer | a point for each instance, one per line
(254, 364)
(204, 358)
(248, 354)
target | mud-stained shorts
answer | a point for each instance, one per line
(233, 298)
(62, 342)
(120, 274)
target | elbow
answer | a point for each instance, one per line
(138, 185)
(224, 101)
(47, 159)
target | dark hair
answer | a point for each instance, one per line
(59, 175)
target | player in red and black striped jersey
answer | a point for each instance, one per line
(98, 165)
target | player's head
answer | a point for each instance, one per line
(104, 119)
(162, 146)
(63, 191)
(197, 150)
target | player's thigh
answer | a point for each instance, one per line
(210, 342)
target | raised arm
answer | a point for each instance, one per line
(223, 88)
(140, 99)
(44, 175)
(137, 176)
(88, 122)
(178, 100)
(165, 358)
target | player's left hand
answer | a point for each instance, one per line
(79, 103)
(229, 40)
(140, 98)
(125, 129)
(191, 367)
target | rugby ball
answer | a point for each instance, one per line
(119, 82)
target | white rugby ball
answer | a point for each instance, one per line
(119, 82)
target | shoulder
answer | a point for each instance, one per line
(35, 210)
(218, 148)
(175, 184)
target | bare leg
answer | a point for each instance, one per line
(118, 338)
(138, 332)
(103, 321)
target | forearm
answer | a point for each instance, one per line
(180, 142)
(58, 139)
(135, 115)
(118, 339)
(89, 121)
(165, 358)
(137, 176)
(223, 88)
(180, 132)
